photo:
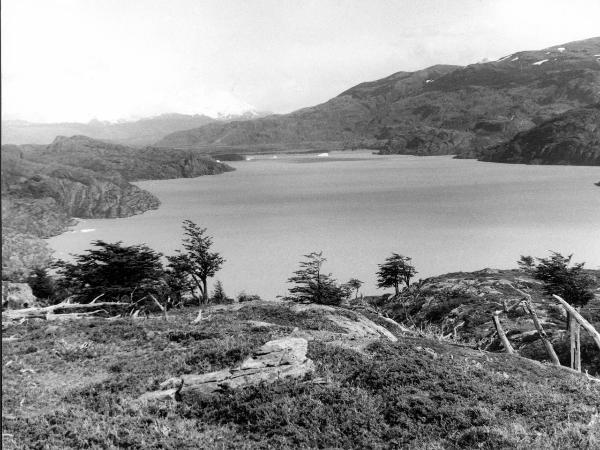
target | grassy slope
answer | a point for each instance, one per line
(70, 385)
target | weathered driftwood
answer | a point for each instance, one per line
(161, 307)
(542, 334)
(505, 342)
(528, 303)
(584, 323)
(199, 317)
(71, 310)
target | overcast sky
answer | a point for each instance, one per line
(110, 59)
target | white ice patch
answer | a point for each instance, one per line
(428, 81)
(323, 155)
(596, 55)
(515, 58)
(504, 57)
(88, 230)
(561, 49)
(218, 160)
(539, 63)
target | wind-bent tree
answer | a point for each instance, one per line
(355, 284)
(568, 282)
(313, 286)
(394, 271)
(113, 270)
(42, 285)
(563, 279)
(197, 262)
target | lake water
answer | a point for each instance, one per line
(358, 208)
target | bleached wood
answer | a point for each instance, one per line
(584, 323)
(505, 342)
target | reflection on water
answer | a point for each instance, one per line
(447, 214)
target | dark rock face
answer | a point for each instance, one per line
(438, 110)
(44, 187)
(571, 138)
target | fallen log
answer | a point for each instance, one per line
(64, 309)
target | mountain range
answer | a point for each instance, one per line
(140, 132)
(439, 110)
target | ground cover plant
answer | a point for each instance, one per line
(74, 385)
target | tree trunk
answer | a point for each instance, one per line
(575, 335)
(397, 289)
(588, 326)
(542, 334)
(204, 291)
(505, 342)
(577, 347)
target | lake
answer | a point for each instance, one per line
(447, 214)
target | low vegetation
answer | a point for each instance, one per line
(74, 385)
(424, 380)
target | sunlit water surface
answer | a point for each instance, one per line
(447, 214)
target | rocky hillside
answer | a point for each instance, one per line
(140, 132)
(438, 110)
(461, 305)
(272, 375)
(570, 138)
(44, 187)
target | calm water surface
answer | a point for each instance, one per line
(447, 214)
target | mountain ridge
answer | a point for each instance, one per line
(438, 110)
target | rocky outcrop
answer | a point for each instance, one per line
(571, 138)
(438, 110)
(277, 359)
(44, 187)
(463, 304)
(132, 164)
(353, 323)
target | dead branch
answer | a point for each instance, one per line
(584, 323)
(528, 305)
(542, 333)
(199, 318)
(94, 301)
(505, 342)
(161, 307)
(575, 338)
(62, 309)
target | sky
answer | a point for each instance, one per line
(77, 60)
